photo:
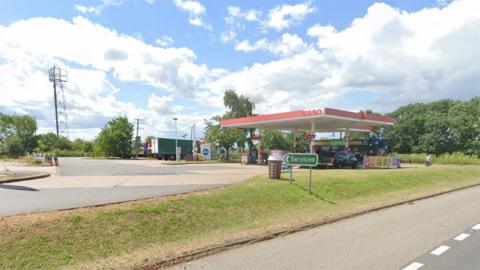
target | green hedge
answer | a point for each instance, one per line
(454, 158)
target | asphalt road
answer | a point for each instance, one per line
(112, 167)
(15, 199)
(391, 238)
(460, 252)
(86, 182)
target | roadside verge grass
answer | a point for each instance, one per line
(141, 233)
(453, 158)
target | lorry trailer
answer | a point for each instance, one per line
(164, 148)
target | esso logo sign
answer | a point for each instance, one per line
(205, 152)
(312, 112)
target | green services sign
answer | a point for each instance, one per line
(302, 159)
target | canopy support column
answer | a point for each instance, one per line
(347, 142)
(259, 148)
(312, 131)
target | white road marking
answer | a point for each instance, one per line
(413, 266)
(476, 227)
(461, 236)
(438, 251)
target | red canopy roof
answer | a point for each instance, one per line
(323, 120)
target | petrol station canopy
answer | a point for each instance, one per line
(316, 120)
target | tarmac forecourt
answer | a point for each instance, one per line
(145, 233)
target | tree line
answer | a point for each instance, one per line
(444, 126)
(18, 137)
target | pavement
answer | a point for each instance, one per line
(88, 182)
(400, 237)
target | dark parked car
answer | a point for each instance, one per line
(338, 159)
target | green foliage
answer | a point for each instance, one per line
(82, 146)
(17, 134)
(115, 140)
(454, 158)
(275, 139)
(50, 142)
(223, 137)
(444, 126)
(239, 106)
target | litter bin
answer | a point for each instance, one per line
(244, 158)
(275, 160)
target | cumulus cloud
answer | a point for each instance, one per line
(170, 69)
(236, 20)
(29, 47)
(164, 41)
(289, 44)
(397, 56)
(195, 11)
(284, 16)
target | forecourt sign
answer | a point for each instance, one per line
(302, 159)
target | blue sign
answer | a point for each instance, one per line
(205, 151)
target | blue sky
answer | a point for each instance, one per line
(164, 58)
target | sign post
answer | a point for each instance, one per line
(302, 159)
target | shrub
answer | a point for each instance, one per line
(454, 158)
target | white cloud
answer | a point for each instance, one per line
(228, 36)
(164, 41)
(288, 45)
(284, 16)
(129, 59)
(236, 20)
(235, 12)
(195, 11)
(397, 56)
(29, 47)
(97, 10)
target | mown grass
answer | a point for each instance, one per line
(454, 158)
(257, 205)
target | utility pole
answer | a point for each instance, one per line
(138, 125)
(176, 143)
(58, 77)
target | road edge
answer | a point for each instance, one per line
(228, 245)
(25, 178)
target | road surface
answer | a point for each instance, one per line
(393, 238)
(87, 182)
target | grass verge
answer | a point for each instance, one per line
(454, 158)
(141, 233)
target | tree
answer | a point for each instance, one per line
(464, 124)
(443, 126)
(275, 139)
(17, 134)
(83, 146)
(50, 142)
(222, 137)
(239, 106)
(115, 139)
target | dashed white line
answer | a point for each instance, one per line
(461, 236)
(476, 227)
(413, 266)
(438, 251)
